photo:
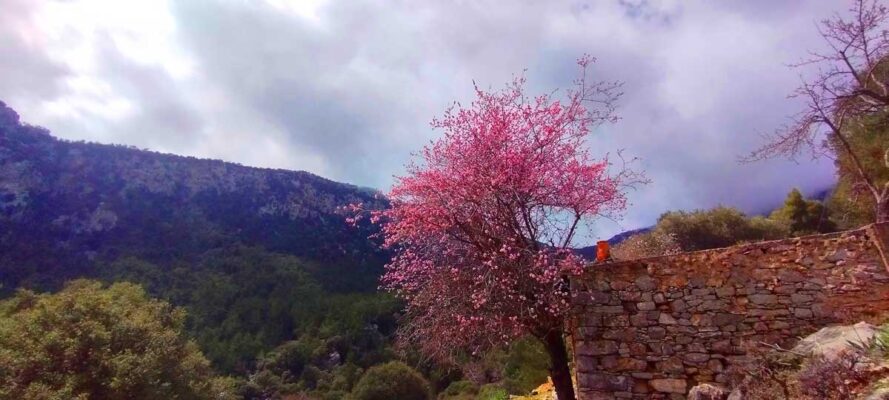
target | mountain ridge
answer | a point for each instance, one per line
(65, 205)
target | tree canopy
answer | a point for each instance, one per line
(393, 380)
(90, 342)
(803, 216)
(849, 88)
(483, 221)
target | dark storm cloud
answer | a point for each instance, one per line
(347, 89)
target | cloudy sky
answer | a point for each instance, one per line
(346, 89)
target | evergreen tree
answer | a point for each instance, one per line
(803, 216)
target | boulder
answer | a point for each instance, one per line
(706, 391)
(736, 394)
(834, 340)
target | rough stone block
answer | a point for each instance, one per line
(669, 385)
(645, 283)
(723, 319)
(763, 299)
(797, 298)
(597, 348)
(604, 382)
(666, 319)
(696, 358)
(630, 364)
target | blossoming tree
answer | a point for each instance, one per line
(481, 226)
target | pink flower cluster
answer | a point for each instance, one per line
(482, 223)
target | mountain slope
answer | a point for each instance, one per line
(65, 206)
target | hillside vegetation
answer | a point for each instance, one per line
(66, 206)
(272, 286)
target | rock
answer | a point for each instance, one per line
(657, 333)
(696, 358)
(671, 366)
(669, 385)
(706, 391)
(797, 298)
(630, 364)
(838, 255)
(333, 359)
(833, 340)
(722, 319)
(640, 320)
(822, 310)
(722, 346)
(609, 309)
(763, 298)
(666, 319)
(715, 365)
(592, 297)
(646, 283)
(679, 306)
(710, 305)
(630, 296)
(597, 348)
(605, 383)
(736, 394)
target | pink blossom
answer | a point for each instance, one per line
(482, 222)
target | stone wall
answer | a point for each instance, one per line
(653, 328)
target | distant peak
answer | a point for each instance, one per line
(8, 116)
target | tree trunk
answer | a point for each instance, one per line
(882, 199)
(882, 211)
(559, 370)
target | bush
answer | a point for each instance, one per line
(459, 390)
(492, 392)
(527, 366)
(803, 216)
(91, 342)
(393, 380)
(648, 244)
(718, 227)
(833, 379)
(767, 376)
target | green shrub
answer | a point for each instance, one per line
(459, 390)
(526, 367)
(492, 392)
(393, 380)
(100, 343)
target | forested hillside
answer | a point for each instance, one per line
(278, 291)
(67, 206)
(256, 257)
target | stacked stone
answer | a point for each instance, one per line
(656, 327)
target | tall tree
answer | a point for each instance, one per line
(850, 203)
(482, 224)
(803, 216)
(851, 84)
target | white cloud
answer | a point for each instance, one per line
(346, 89)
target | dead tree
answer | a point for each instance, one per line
(851, 83)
